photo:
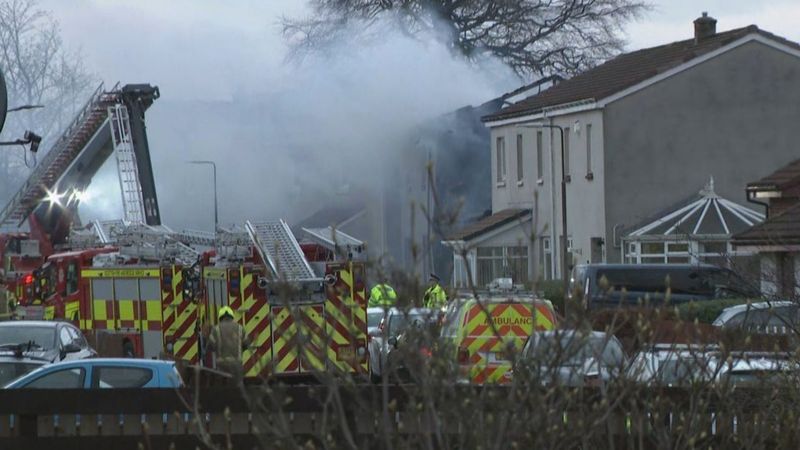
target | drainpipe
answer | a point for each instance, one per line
(554, 241)
(752, 199)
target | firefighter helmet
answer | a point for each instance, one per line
(225, 311)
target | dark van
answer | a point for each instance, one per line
(615, 285)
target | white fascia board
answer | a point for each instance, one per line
(548, 113)
(519, 221)
(752, 37)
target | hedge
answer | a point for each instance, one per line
(707, 310)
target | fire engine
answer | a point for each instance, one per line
(303, 316)
(112, 121)
(131, 295)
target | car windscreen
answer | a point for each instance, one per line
(45, 337)
(400, 322)
(679, 281)
(11, 370)
(572, 350)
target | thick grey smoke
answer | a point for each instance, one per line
(329, 129)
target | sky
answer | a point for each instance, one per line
(207, 53)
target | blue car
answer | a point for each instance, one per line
(102, 373)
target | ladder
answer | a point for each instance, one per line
(154, 243)
(278, 247)
(69, 145)
(129, 184)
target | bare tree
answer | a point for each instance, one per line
(534, 37)
(38, 71)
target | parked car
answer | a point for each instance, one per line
(615, 285)
(374, 317)
(484, 334)
(388, 338)
(758, 369)
(778, 317)
(675, 365)
(27, 344)
(102, 373)
(572, 358)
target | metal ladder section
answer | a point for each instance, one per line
(277, 246)
(129, 184)
(233, 244)
(66, 149)
(153, 243)
(195, 237)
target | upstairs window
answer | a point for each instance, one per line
(520, 164)
(500, 149)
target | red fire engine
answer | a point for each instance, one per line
(110, 122)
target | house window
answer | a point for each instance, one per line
(520, 165)
(566, 151)
(660, 252)
(501, 159)
(546, 259)
(588, 149)
(539, 156)
(502, 262)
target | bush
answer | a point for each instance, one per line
(552, 290)
(706, 311)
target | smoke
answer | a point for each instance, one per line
(330, 130)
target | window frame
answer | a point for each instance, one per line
(589, 173)
(566, 154)
(540, 156)
(82, 376)
(500, 149)
(520, 160)
(97, 371)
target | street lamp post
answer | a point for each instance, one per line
(564, 262)
(216, 208)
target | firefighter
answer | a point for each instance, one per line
(227, 340)
(435, 297)
(382, 294)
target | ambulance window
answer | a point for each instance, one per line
(126, 289)
(102, 289)
(150, 289)
(72, 278)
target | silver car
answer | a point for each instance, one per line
(572, 357)
(675, 365)
(384, 340)
(778, 317)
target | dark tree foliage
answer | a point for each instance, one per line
(534, 37)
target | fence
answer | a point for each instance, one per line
(366, 415)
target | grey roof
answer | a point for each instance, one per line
(330, 238)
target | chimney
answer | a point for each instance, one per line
(704, 27)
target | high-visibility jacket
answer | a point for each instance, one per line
(382, 295)
(435, 297)
(227, 340)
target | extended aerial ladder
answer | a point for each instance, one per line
(110, 122)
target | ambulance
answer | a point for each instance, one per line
(486, 331)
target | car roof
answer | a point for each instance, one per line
(415, 311)
(121, 362)
(30, 323)
(570, 332)
(758, 305)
